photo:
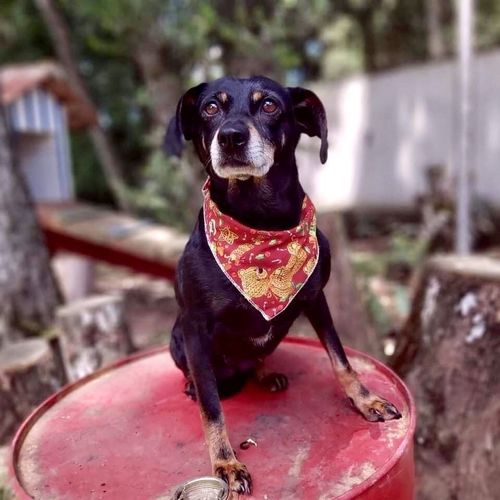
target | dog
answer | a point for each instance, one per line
(233, 315)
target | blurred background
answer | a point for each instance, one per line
(383, 68)
(87, 89)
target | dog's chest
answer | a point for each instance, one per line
(244, 333)
(264, 339)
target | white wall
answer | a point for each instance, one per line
(384, 131)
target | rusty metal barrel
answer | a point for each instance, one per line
(129, 432)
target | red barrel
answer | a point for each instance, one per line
(129, 432)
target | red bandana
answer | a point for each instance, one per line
(267, 267)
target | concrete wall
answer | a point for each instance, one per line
(384, 131)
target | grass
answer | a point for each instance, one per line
(5, 494)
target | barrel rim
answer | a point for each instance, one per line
(40, 410)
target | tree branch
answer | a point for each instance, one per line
(104, 148)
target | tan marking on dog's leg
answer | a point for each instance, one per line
(218, 441)
(224, 462)
(374, 408)
(371, 406)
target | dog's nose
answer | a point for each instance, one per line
(233, 136)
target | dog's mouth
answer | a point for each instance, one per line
(232, 168)
(237, 168)
(234, 162)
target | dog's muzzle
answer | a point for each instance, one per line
(238, 151)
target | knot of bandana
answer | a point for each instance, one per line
(267, 267)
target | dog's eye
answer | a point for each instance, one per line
(212, 108)
(269, 106)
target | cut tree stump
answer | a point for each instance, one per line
(450, 356)
(92, 332)
(29, 373)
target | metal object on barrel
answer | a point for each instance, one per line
(202, 488)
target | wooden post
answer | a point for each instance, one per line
(92, 332)
(465, 49)
(341, 291)
(449, 352)
(29, 373)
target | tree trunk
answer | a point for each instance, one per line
(341, 291)
(162, 82)
(435, 38)
(92, 333)
(29, 373)
(28, 291)
(449, 353)
(365, 19)
(104, 148)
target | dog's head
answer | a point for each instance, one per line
(242, 127)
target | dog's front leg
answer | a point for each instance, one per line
(374, 408)
(224, 462)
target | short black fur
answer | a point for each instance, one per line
(217, 338)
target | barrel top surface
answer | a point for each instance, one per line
(129, 432)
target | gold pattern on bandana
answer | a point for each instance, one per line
(257, 282)
(235, 255)
(227, 235)
(267, 267)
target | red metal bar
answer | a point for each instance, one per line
(57, 241)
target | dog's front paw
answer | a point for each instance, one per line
(374, 408)
(235, 474)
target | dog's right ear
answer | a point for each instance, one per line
(311, 117)
(181, 126)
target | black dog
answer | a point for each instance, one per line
(245, 132)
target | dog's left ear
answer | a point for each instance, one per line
(182, 124)
(310, 116)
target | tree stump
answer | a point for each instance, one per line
(92, 332)
(450, 354)
(29, 373)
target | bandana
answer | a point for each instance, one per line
(267, 267)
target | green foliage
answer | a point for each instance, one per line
(5, 494)
(487, 23)
(90, 183)
(404, 252)
(22, 34)
(190, 40)
(163, 195)
(343, 48)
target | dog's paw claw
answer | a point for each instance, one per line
(274, 382)
(236, 476)
(376, 409)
